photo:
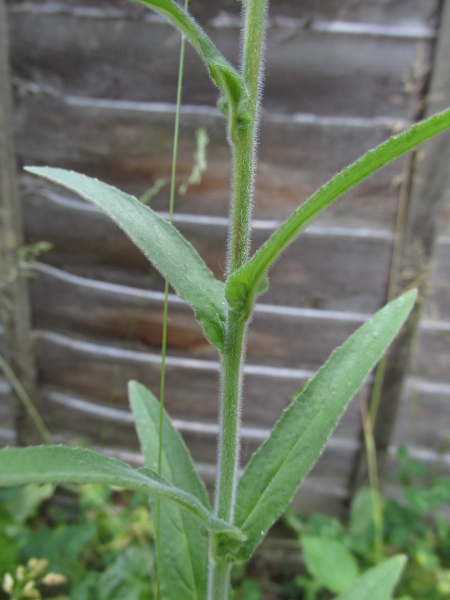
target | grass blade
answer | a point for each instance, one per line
(164, 575)
(162, 244)
(242, 286)
(185, 547)
(280, 464)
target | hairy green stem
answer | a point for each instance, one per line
(229, 419)
(228, 461)
(243, 141)
(219, 583)
(243, 138)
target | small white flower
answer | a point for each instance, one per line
(54, 579)
(8, 583)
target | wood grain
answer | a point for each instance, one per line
(7, 414)
(406, 13)
(101, 372)
(423, 419)
(136, 59)
(319, 270)
(15, 311)
(130, 146)
(278, 336)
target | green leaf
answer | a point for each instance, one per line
(9, 543)
(329, 562)
(161, 243)
(280, 464)
(361, 517)
(242, 286)
(26, 501)
(127, 577)
(377, 583)
(61, 464)
(184, 550)
(221, 72)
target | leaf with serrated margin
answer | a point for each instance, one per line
(227, 79)
(184, 550)
(377, 583)
(62, 464)
(162, 244)
(241, 288)
(277, 468)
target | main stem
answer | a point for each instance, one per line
(243, 141)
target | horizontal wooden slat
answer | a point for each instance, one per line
(318, 270)
(2, 341)
(137, 59)
(438, 302)
(278, 336)
(130, 145)
(118, 314)
(432, 355)
(443, 216)
(413, 13)
(424, 418)
(76, 420)
(102, 372)
(7, 417)
(100, 425)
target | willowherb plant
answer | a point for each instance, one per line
(198, 544)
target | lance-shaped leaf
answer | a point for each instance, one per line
(162, 244)
(297, 440)
(377, 583)
(222, 73)
(242, 286)
(62, 464)
(184, 550)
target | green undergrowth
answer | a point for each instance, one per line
(100, 541)
(98, 544)
(416, 524)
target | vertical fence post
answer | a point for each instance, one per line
(14, 298)
(428, 179)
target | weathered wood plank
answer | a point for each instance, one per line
(74, 419)
(7, 414)
(75, 305)
(101, 372)
(14, 302)
(137, 60)
(424, 418)
(278, 336)
(432, 355)
(437, 303)
(393, 12)
(406, 13)
(443, 225)
(426, 190)
(319, 270)
(99, 425)
(130, 145)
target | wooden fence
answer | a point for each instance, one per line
(94, 84)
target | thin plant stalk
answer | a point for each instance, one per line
(166, 298)
(377, 502)
(243, 141)
(400, 227)
(26, 401)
